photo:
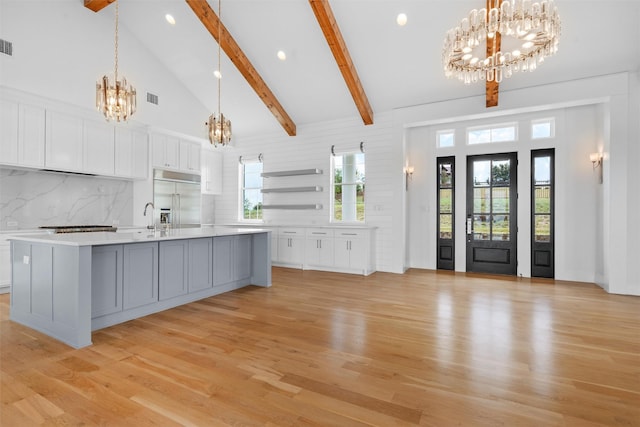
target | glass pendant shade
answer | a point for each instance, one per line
(529, 33)
(116, 99)
(219, 130)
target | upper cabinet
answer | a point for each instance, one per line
(211, 171)
(190, 156)
(22, 134)
(64, 142)
(131, 153)
(170, 152)
(166, 151)
(99, 148)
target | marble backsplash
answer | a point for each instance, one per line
(29, 199)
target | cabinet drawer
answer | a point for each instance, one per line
(290, 232)
(352, 233)
(319, 233)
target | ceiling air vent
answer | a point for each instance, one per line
(6, 47)
(151, 98)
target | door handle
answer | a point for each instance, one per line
(469, 225)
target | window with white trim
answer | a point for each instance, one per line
(543, 128)
(347, 183)
(446, 138)
(250, 208)
(506, 132)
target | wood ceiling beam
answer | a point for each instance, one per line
(493, 87)
(329, 26)
(97, 5)
(212, 23)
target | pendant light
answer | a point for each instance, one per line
(219, 125)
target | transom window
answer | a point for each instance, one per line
(489, 134)
(543, 128)
(446, 138)
(347, 185)
(251, 191)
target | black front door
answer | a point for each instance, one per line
(492, 213)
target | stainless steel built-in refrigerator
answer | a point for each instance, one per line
(176, 199)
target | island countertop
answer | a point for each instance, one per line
(110, 238)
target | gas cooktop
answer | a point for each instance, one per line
(76, 228)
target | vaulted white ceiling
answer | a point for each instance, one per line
(398, 66)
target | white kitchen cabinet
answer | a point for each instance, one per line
(9, 122)
(353, 250)
(190, 157)
(98, 148)
(131, 153)
(166, 151)
(319, 249)
(211, 168)
(22, 134)
(290, 247)
(64, 141)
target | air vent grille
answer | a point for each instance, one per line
(151, 98)
(6, 47)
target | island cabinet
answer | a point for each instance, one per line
(106, 280)
(231, 259)
(174, 268)
(200, 264)
(140, 278)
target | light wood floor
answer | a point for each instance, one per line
(325, 349)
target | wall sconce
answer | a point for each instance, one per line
(596, 160)
(408, 174)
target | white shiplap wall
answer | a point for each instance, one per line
(311, 149)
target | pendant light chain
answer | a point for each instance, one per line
(116, 44)
(219, 63)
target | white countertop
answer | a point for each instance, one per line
(111, 238)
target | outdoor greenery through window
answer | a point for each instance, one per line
(497, 133)
(348, 187)
(251, 182)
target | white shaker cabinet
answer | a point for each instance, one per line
(131, 153)
(99, 148)
(211, 171)
(290, 247)
(319, 250)
(190, 157)
(64, 141)
(22, 134)
(353, 250)
(166, 151)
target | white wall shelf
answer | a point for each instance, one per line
(296, 207)
(314, 188)
(292, 173)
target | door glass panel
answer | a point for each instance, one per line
(543, 199)
(446, 230)
(445, 201)
(543, 228)
(542, 171)
(445, 175)
(500, 199)
(500, 227)
(481, 173)
(481, 200)
(481, 227)
(501, 172)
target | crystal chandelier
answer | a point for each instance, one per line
(219, 126)
(115, 99)
(506, 37)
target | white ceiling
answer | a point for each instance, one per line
(398, 66)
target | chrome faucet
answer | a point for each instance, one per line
(152, 226)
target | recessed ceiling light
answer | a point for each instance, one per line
(218, 74)
(281, 55)
(170, 19)
(401, 19)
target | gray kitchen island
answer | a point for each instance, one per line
(68, 285)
